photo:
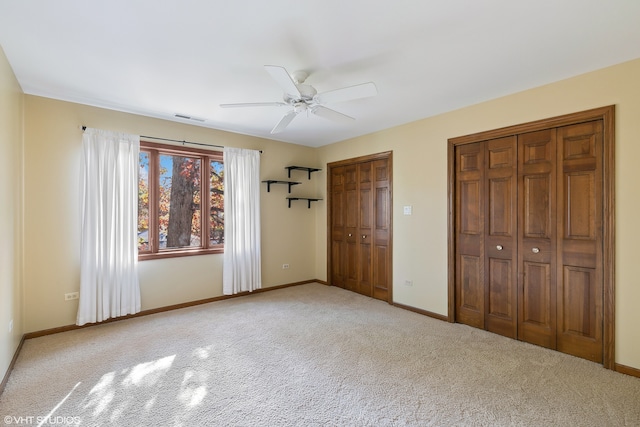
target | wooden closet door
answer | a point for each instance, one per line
(382, 209)
(537, 237)
(360, 224)
(580, 273)
(501, 238)
(352, 207)
(470, 232)
(365, 228)
(564, 245)
(337, 225)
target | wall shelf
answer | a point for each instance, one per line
(275, 181)
(303, 168)
(290, 184)
(308, 199)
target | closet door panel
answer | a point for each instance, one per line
(382, 235)
(470, 291)
(470, 288)
(501, 290)
(365, 226)
(338, 214)
(537, 205)
(381, 273)
(580, 294)
(500, 237)
(537, 237)
(537, 315)
(579, 297)
(351, 227)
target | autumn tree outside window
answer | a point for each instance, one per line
(174, 218)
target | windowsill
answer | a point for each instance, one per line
(179, 253)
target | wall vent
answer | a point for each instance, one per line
(185, 117)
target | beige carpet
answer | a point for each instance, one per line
(309, 355)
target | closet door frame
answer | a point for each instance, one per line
(607, 115)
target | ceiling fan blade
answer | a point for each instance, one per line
(284, 122)
(255, 104)
(330, 114)
(282, 77)
(363, 90)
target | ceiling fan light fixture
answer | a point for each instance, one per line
(299, 107)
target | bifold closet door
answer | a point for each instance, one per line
(470, 236)
(363, 233)
(371, 237)
(352, 252)
(381, 238)
(360, 226)
(537, 237)
(337, 227)
(501, 238)
(531, 233)
(346, 254)
(352, 224)
(580, 274)
(486, 245)
(529, 237)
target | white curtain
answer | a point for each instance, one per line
(241, 268)
(109, 254)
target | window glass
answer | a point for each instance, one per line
(179, 204)
(143, 202)
(216, 217)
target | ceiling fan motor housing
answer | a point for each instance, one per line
(307, 93)
(299, 107)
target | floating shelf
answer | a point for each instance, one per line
(302, 168)
(275, 181)
(309, 200)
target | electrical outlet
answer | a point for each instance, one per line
(285, 266)
(10, 325)
(408, 282)
(71, 295)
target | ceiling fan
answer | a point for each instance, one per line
(303, 97)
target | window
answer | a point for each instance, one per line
(174, 219)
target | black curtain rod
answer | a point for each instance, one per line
(182, 142)
(176, 140)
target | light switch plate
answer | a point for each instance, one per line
(408, 210)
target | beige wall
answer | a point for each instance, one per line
(11, 144)
(53, 144)
(52, 147)
(420, 180)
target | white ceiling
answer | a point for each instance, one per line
(426, 57)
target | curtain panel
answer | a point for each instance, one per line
(109, 254)
(242, 256)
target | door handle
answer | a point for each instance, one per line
(499, 247)
(349, 234)
(535, 250)
(364, 237)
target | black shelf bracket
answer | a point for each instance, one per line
(275, 181)
(303, 168)
(309, 200)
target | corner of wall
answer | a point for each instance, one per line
(11, 210)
